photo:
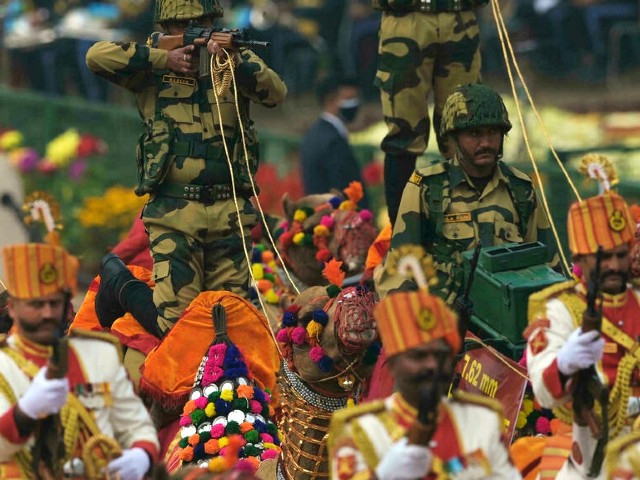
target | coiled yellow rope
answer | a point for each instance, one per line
(509, 57)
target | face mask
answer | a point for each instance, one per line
(349, 109)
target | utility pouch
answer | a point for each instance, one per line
(153, 154)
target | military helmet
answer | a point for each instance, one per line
(471, 106)
(186, 9)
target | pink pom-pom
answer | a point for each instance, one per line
(365, 215)
(299, 335)
(255, 406)
(268, 270)
(223, 450)
(543, 426)
(284, 225)
(316, 353)
(201, 402)
(265, 437)
(217, 431)
(267, 397)
(283, 336)
(577, 270)
(269, 454)
(185, 421)
(523, 360)
(245, 465)
(327, 221)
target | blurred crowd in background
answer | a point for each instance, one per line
(45, 41)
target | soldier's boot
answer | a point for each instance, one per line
(397, 171)
(120, 292)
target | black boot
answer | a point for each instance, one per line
(121, 292)
(114, 274)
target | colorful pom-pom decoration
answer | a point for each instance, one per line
(222, 445)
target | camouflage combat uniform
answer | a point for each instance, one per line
(424, 45)
(194, 235)
(442, 209)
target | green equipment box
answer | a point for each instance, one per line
(505, 277)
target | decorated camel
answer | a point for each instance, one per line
(329, 342)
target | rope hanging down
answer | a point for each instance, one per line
(222, 72)
(510, 57)
(222, 77)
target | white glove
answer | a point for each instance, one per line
(581, 350)
(403, 461)
(44, 396)
(133, 464)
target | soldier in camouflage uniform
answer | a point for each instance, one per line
(424, 45)
(195, 236)
(451, 204)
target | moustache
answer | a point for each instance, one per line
(485, 150)
(614, 273)
(433, 376)
(32, 328)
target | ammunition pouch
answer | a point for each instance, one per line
(154, 154)
(427, 6)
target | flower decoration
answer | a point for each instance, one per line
(10, 140)
(227, 421)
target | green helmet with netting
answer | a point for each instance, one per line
(471, 106)
(186, 9)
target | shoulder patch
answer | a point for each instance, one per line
(415, 178)
(480, 400)
(435, 168)
(102, 336)
(538, 299)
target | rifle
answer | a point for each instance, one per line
(48, 452)
(589, 388)
(198, 35)
(463, 305)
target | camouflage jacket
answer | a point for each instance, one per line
(186, 107)
(442, 210)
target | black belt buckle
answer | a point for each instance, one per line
(207, 195)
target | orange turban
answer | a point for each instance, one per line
(35, 270)
(603, 220)
(409, 319)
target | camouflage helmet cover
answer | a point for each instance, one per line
(471, 106)
(186, 9)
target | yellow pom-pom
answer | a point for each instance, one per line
(522, 420)
(350, 402)
(299, 215)
(298, 238)
(210, 410)
(226, 395)
(272, 297)
(314, 329)
(321, 231)
(217, 465)
(10, 140)
(258, 271)
(272, 446)
(273, 264)
(527, 406)
(347, 205)
(223, 442)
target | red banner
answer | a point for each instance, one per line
(485, 371)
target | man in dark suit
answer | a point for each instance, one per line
(325, 154)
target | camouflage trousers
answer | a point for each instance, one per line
(196, 248)
(419, 52)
